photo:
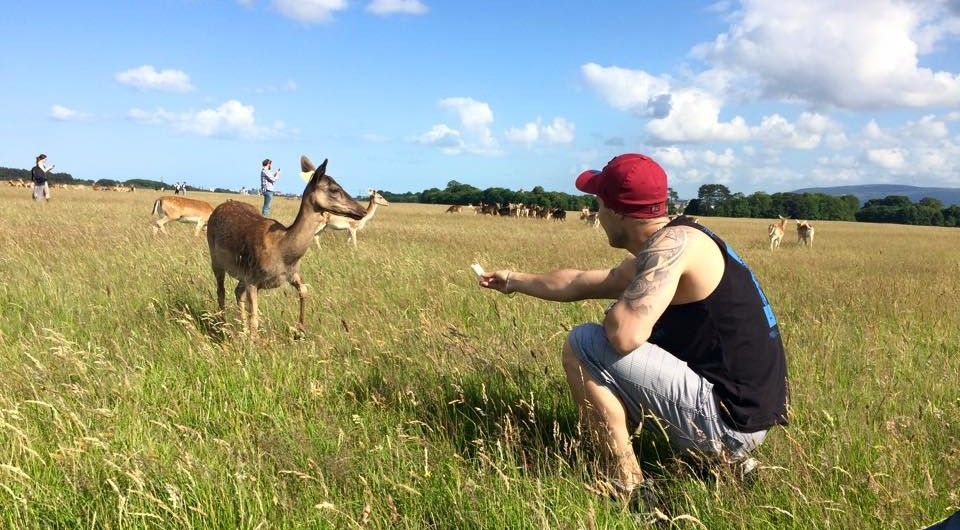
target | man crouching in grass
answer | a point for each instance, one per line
(691, 339)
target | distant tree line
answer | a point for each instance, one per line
(458, 193)
(717, 200)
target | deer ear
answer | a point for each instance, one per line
(320, 173)
(306, 165)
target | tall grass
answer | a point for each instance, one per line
(418, 400)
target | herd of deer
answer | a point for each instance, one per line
(511, 210)
(20, 183)
(776, 230)
(262, 253)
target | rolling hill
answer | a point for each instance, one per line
(866, 192)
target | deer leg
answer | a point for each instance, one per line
(254, 314)
(218, 274)
(241, 295)
(160, 222)
(353, 238)
(302, 292)
(196, 231)
(316, 239)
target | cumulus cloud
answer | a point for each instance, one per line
(891, 159)
(676, 114)
(310, 10)
(926, 129)
(528, 134)
(147, 77)
(391, 7)
(851, 54)
(61, 113)
(474, 134)
(559, 131)
(231, 119)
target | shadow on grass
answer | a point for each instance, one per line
(190, 311)
(516, 411)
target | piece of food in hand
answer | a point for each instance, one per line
(478, 270)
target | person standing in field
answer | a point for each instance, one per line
(691, 339)
(266, 185)
(41, 188)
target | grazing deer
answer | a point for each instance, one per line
(775, 232)
(804, 233)
(261, 253)
(592, 219)
(339, 222)
(455, 208)
(173, 208)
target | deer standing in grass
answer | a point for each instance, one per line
(339, 222)
(775, 232)
(173, 208)
(804, 233)
(261, 253)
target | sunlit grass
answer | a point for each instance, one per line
(418, 400)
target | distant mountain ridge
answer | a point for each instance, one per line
(865, 192)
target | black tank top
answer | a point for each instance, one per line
(731, 339)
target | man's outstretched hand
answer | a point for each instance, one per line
(497, 280)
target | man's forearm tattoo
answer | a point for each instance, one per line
(656, 258)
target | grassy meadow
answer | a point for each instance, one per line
(418, 400)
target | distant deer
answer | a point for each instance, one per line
(775, 232)
(455, 208)
(337, 222)
(804, 233)
(173, 208)
(261, 253)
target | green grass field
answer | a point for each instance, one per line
(418, 400)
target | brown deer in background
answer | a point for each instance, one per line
(261, 253)
(174, 208)
(804, 233)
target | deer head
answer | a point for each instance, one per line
(325, 195)
(378, 199)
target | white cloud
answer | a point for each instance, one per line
(559, 131)
(474, 135)
(390, 7)
(724, 159)
(61, 113)
(670, 156)
(442, 136)
(528, 134)
(310, 10)
(807, 133)
(851, 54)
(625, 89)
(926, 129)
(676, 115)
(890, 159)
(953, 116)
(147, 77)
(231, 119)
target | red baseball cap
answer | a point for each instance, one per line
(633, 185)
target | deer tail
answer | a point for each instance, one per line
(156, 206)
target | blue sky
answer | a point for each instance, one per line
(409, 94)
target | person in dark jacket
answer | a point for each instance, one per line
(41, 188)
(691, 339)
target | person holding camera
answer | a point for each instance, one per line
(267, 178)
(41, 188)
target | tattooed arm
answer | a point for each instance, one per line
(660, 263)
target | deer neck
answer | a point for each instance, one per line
(371, 209)
(299, 235)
